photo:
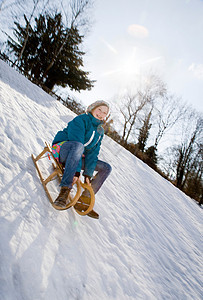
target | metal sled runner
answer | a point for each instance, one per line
(57, 174)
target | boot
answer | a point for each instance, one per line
(62, 197)
(93, 214)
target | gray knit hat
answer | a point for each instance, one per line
(96, 104)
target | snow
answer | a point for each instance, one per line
(147, 243)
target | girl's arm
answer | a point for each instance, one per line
(91, 158)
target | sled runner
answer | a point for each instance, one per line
(57, 174)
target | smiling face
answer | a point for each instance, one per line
(100, 112)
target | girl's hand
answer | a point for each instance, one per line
(87, 180)
(75, 179)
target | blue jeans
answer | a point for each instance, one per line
(70, 155)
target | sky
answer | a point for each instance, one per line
(131, 38)
(147, 243)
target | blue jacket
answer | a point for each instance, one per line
(87, 130)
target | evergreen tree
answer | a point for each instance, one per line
(194, 185)
(51, 54)
(151, 152)
(144, 132)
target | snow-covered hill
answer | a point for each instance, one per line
(147, 243)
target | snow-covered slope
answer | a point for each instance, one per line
(147, 243)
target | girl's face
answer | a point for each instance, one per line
(100, 112)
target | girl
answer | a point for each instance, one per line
(77, 147)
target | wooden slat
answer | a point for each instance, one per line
(92, 199)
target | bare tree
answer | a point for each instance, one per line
(151, 89)
(168, 111)
(79, 16)
(133, 104)
(189, 152)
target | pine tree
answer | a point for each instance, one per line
(194, 185)
(52, 54)
(144, 132)
(151, 152)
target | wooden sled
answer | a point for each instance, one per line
(58, 173)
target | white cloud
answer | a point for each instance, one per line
(138, 31)
(197, 70)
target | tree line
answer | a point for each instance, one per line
(150, 115)
(46, 46)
